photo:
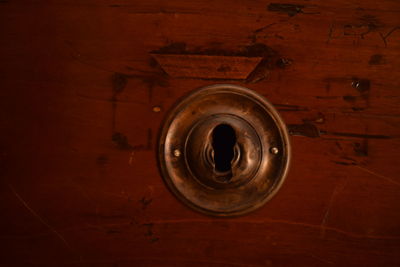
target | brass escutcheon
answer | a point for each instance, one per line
(224, 150)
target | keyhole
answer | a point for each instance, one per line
(224, 139)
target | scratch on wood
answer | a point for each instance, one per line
(371, 115)
(390, 180)
(355, 135)
(40, 219)
(308, 129)
(283, 107)
(265, 27)
(367, 24)
(321, 259)
(330, 33)
(335, 192)
(384, 37)
(294, 223)
(117, 195)
(256, 32)
(344, 163)
(85, 194)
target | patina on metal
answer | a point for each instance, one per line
(224, 150)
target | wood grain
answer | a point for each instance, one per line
(80, 183)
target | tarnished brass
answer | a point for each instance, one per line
(224, 150)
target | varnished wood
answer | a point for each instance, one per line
(79, 87)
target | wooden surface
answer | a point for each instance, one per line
(79, 98)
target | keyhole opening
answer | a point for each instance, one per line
(223, 142)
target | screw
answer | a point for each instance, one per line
(177, 153)
(355, 84)
(274, 150)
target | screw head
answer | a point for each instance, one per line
(355, 84)
(274, 150)
(177, 153)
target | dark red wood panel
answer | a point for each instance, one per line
(82, 101)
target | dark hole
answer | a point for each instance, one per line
(224, 139)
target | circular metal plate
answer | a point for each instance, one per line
(224, 150)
